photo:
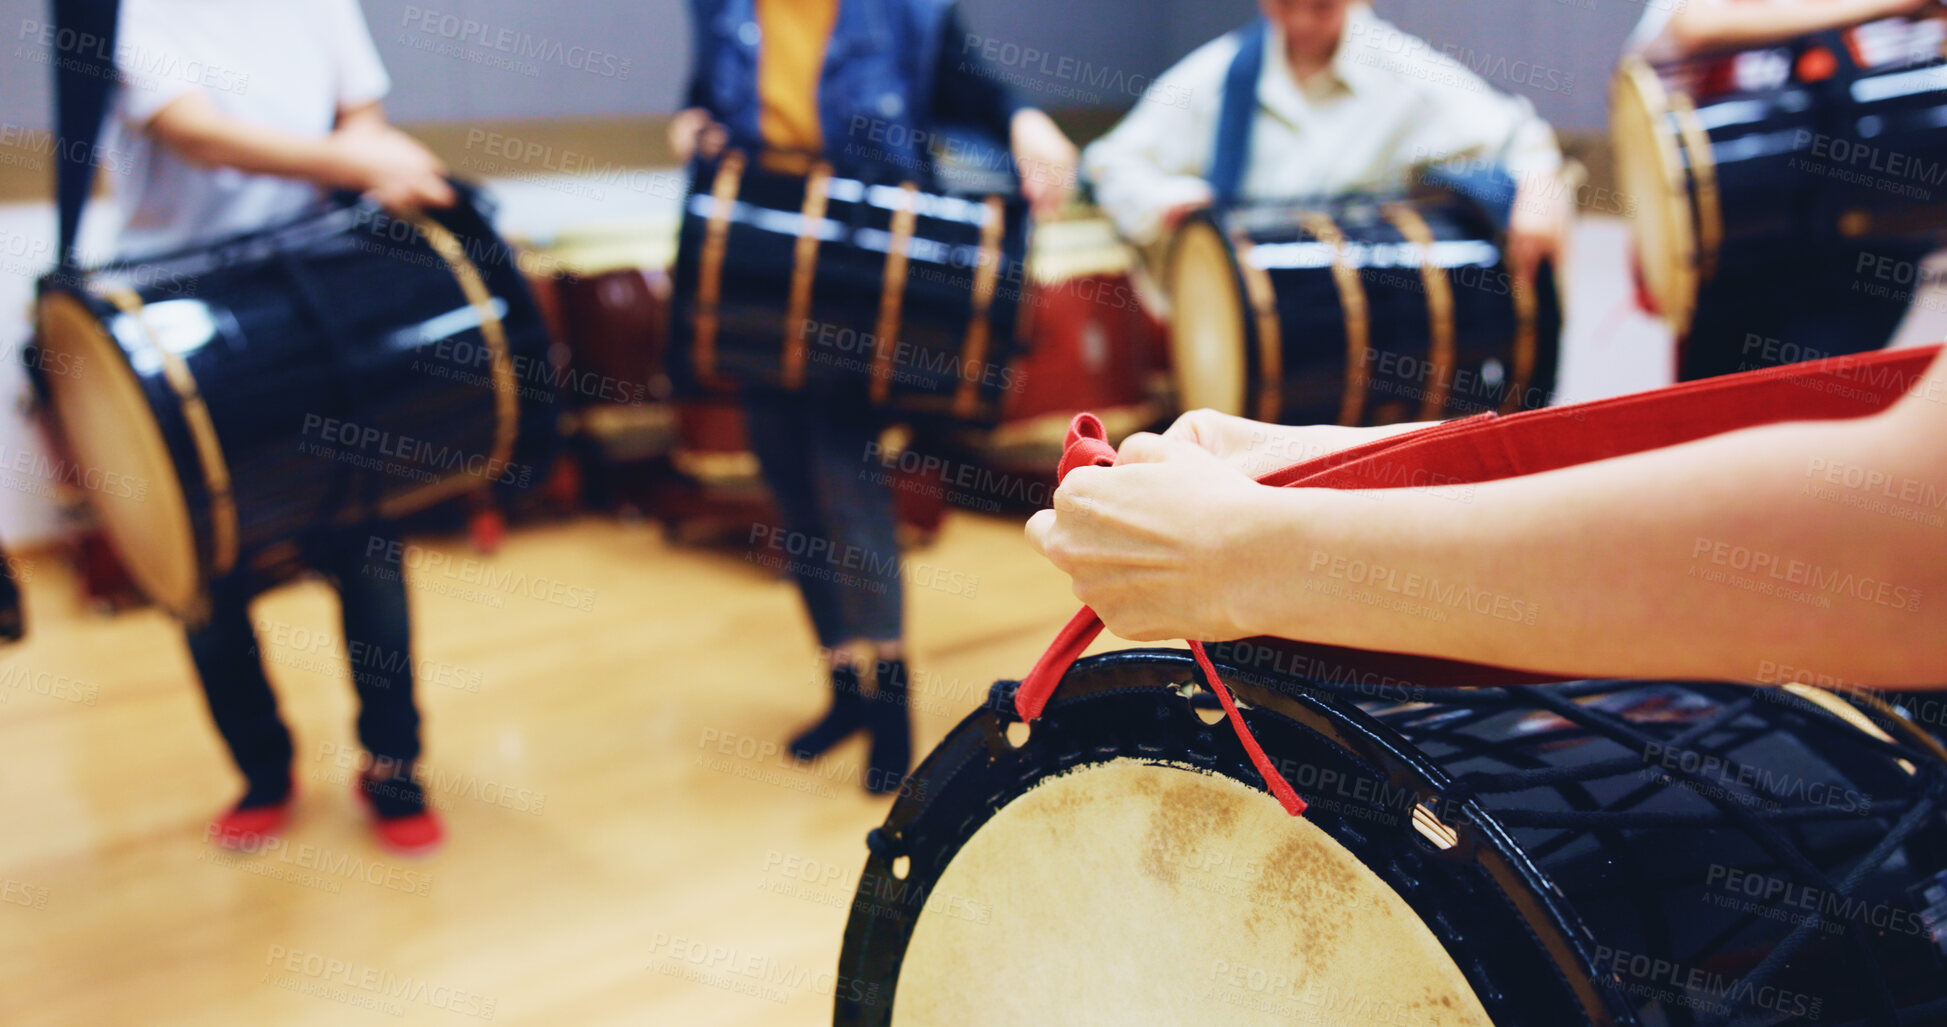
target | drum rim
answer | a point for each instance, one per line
(1179, 342)
(180, 594)
(1640, 106)
(1561, 936)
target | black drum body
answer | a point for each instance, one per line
(345, 367)
(864, 292)
(1361, 312)
(1835, 142)
(1663, 855)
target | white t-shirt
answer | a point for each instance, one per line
(287, 64)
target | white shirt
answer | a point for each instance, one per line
(287, 64)
(1387, 103)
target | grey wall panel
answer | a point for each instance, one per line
(459, 60)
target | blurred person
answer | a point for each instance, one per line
(1800, 297)
(296, 113)
(1676, 29)
(1345, 103)
(790, 77)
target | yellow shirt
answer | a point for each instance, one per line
(790, 61)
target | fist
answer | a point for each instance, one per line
(1161, 545)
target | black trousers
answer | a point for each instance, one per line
(843, 547)
(376, 645)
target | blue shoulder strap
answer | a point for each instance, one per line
(1232, 153)
(84, 80)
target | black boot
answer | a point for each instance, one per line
(892, 730)
(846, 716)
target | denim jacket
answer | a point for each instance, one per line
(882, 85)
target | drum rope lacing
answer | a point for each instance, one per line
(1735, 805)
(1088, 446)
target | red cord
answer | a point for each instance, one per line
(1088, 446)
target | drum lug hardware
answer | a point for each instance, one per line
(885, 845)
(1000, 699)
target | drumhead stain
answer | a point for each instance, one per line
(1235, 914)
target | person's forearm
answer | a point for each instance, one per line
(1702, 28)
(364, 116)
(194, 128)
(1715, 559)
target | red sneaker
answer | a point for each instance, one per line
(245, 829)
(405, 825)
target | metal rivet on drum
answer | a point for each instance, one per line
(890, 105)
(748, 33)
(1017, 733)
(1438, 834)
(1493, 372)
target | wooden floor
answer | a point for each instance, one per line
(608, 775)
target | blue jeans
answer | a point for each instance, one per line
(377, 645)
(841, 541)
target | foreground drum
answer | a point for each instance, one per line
(348, 366)
(881, 293)
(1364, 313)
(1833, 141)
(1590, 853)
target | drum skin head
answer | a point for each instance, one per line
(111, 429)
(1207, 326)
(1131, 892)
(1650, 171)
